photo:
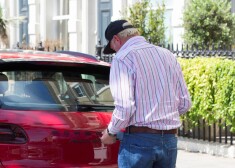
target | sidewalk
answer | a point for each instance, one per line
(200, 146)
(187, 159)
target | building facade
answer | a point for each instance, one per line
(78, 25)
(72, 24)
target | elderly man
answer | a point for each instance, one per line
(149, 94)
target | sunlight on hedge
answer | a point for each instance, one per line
(211, 83)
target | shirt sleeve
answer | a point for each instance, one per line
(122, 84)
(184, 97)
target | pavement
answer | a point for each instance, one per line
(186, 159)
(212, 148)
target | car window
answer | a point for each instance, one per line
(54, 90)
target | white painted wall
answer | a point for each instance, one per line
(85, 16)
(92, 27)
(77, 28)
(33, 25)
(173, 16)
(73, 29)
(51, 9)
(118, 9)
(13, 23)
(177, 21)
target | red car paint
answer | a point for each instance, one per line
(46, 139)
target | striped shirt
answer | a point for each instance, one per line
(148, 87)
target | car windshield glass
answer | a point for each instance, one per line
(53, 90)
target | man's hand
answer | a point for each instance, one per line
(107, 139)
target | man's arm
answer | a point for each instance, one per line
(122, 87)
(184, 96)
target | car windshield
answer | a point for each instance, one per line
(55, 90)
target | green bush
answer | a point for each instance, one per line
(211, 83)
(207, 22)
(150, 22)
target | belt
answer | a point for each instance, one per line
(135, 129)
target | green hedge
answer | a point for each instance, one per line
(211, 83)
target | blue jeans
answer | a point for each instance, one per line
(142, 150)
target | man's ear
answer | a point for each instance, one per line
(118, 39)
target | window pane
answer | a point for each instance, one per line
(53, 90)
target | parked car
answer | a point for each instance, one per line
(53, 109)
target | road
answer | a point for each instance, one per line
(198, 160)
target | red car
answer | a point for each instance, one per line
(53, 109)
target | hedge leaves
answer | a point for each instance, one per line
(211, 83)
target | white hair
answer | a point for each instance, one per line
(128, 32)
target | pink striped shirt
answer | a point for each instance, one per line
(148, 87)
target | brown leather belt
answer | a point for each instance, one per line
(135, 129)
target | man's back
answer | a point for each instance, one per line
(157, 79)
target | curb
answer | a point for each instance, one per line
(213, 148)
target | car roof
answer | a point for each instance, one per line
(16, 55)
(77, 54)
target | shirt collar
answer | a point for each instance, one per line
(132, 41)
